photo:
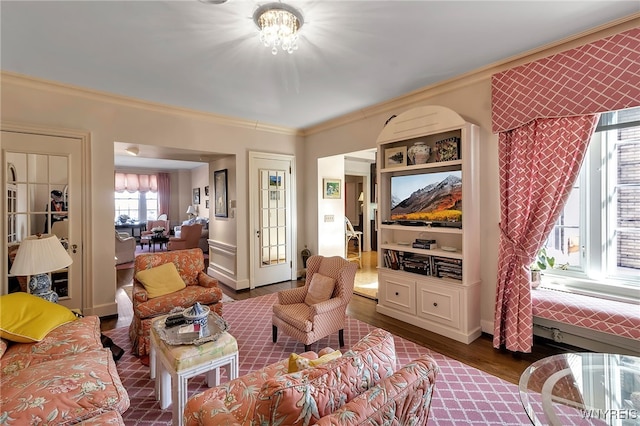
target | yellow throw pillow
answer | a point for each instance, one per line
(297, 362)
(25, 318)
(320, 289)
(161, 280)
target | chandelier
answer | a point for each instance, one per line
(279, 25)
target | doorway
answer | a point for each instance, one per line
(360, 207)
(270, 203)
(44, 195)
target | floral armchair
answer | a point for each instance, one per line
(307, 322)
(200, 287)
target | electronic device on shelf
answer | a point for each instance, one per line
(426, 197)
(413, 223)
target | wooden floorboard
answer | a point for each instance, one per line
(479, 354)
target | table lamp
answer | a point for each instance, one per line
(37, 256)
(191, 211)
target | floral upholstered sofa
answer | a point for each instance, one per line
(63, 379)
(362, 386)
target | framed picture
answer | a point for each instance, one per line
(332, 188)
(196, 196)
(206, 202)
(206, 190)
(448, 149)
(395, 157)
(220, 193)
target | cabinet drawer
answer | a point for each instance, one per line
(439, 304)
(398, 293)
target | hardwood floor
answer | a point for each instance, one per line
(479, 354)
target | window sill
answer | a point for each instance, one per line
(617, 291)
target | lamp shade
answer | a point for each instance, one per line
(361, 197)
(39, 254)
(191, 210)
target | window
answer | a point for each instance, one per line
(598, 234)
(137, 205)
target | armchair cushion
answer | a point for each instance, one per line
(26, 318)
(320, 289)
(161, 280)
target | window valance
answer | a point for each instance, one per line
(597, 77)
(132, 182)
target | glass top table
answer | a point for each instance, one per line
(582, 388)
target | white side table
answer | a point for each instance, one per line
(173, 365)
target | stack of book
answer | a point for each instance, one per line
(417, 264)
(445, 267)
(424, 244)
(393, 259)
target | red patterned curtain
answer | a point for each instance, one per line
(539, 163)
(540, 155)
(164, 191)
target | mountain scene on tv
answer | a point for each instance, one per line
(436, 202)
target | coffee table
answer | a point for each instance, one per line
(173, 365)
(582, 388)
(152, 240)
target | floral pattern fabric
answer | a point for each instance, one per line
(200, 288)
(404, 399)
(271, 396)
(66, 378)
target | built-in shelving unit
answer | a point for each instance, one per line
(436, 289)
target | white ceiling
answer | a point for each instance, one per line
(352, 54)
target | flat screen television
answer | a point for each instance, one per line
(434, 197)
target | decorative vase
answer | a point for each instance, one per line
(419, 153)
(197, 314)
(536, 279)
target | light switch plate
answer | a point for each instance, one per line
(328, 218)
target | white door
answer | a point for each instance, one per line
(35, 165)
(270, 205)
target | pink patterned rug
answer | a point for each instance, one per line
(463, 395)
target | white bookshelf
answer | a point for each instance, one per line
(447, 306)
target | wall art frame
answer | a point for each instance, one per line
(332, 188)
(220, 193)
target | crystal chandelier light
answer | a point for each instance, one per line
(279, 25)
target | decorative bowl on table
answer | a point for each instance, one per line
(197, 314)
(158, 231)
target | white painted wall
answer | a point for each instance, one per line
(330, 217)
(110, 119)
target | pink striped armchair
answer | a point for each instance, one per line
(309, 323)
(200, 287)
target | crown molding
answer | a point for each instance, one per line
(96, 95)
(394, 105)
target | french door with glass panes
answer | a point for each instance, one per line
(271, 184)
(35, 165)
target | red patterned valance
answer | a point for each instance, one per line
(597, 77)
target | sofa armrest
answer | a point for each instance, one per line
(207, 281)
(220, 414)
(403, 398)
(139, 294)
(292, 295)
